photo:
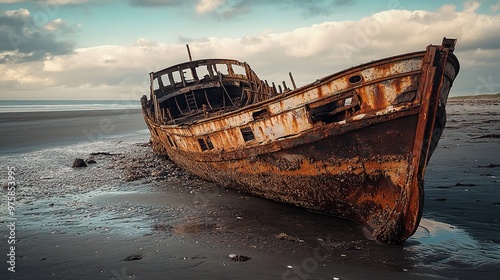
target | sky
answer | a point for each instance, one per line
(89, 49)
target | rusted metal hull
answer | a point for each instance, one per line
(354, 144)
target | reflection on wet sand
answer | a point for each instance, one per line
(447, 245)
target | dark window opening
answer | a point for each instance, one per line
(247, 134)
(209, 143)
(324, 114)
(258, 115)
(355, 79)
(203, 145)
(335, 111)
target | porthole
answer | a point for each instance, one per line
(355, 79)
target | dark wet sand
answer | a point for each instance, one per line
(31, 131)
(132, 215)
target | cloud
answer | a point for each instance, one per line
(200, 6)
(234, 11)
(61, 27)
(309, 53)
(207, 6)
(471, 6)
(46, 2)
(226, 9)
(319, 7)
(158, 3)
(26, 38)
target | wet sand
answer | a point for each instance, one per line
(132, 215)
(31, 131)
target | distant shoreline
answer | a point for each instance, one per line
(14, 106)
(6, 117)
(480, 96)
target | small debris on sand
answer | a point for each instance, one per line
(133, 258)
(491, 165)
(239, 258)
(284, 236)
(464, 185)
(79, 163)
(102, 154)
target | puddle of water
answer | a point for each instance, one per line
(444, 244)
(433, 232)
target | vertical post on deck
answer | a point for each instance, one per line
(291, 78)
(189, 52)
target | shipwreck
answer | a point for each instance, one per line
(354, 144)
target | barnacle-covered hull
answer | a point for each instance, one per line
(354, 144)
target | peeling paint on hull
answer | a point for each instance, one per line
(354, 144)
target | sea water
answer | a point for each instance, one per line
(10, 106)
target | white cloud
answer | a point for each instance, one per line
(26, 75)
(471, 6)
(54, 24)
(21, 13)
(207, 6)
(309, 53)
(42, 2)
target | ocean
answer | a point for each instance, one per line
(11, 106)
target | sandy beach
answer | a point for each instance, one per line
(31, 131)
(133, 215)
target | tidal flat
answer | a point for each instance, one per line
(133, 215)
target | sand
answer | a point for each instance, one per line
(133, 215)
(31, 131)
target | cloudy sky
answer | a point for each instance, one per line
(86, 49)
